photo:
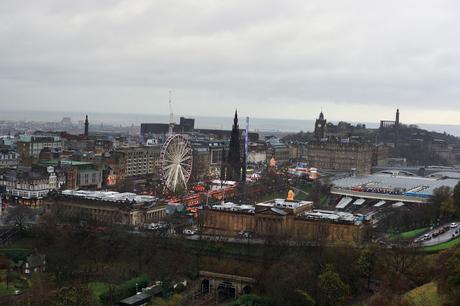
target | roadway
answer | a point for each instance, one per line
(444, 237)
(240, 240)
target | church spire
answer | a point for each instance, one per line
(235, 120)
(86, 126)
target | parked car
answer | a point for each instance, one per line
(245, 234)
(188, 231)
(156, 226)
(453, 225)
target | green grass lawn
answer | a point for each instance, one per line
(98, 288)
(4, 290)
(442, 246)
(409, 234)
(23, 243)
(426, 295)
(302, 197)
(16, 282)
(15, 254)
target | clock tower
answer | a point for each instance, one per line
(320, 127)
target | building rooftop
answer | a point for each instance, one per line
(394, 184)
(335, 216)
(279, 206)
(229, 206)
(137, 299)
(110, 196)
(445, 174)
(39, 138)
(283, 203)
(65, 163)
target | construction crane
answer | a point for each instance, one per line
(171, 116)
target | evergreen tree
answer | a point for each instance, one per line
(332, 290)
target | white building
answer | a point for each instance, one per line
(9, 158)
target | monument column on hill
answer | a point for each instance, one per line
(397, 127)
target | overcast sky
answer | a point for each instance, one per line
(357, 60)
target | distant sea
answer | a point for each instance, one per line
(256, 124)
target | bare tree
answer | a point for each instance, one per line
(20, 215)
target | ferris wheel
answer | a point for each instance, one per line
(176, 162)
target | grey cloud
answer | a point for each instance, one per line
(260, 55)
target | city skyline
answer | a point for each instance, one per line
(217, 122)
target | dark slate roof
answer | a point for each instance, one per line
(137, 299)
(36, 260)
(278, 211)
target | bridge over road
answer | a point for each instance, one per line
(379, 196)
(225, 285)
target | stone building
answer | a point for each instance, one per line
(30, 146)
(27, 185)
(103, 145)
(278, 150)
(138, 160)
(381, 155)
(442, 148)
(8, 158)
(201, 160)
(320, 127)
(106, 208)
(217, 151)
(257, 153)
(82, 175)
(390, 124)
(341, 156)
(32, 264)
(76, 174)
(391, 129)
(280, 218)
(297, 151)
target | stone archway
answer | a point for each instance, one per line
(225, 285)
(205, 286)
(226, 290)
(246, 290)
